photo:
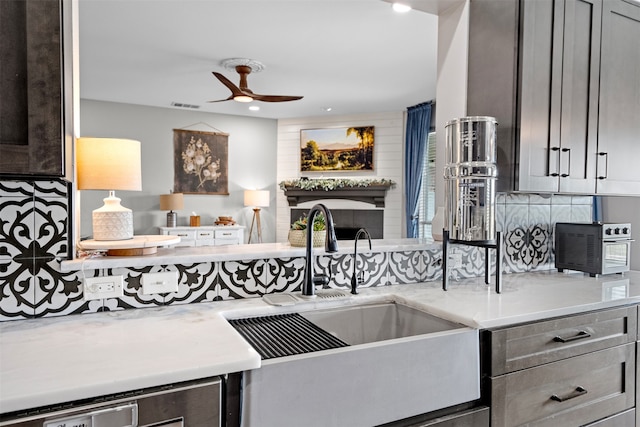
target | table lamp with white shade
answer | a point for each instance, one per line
(170, 202)
(109, 164)
(258, 199)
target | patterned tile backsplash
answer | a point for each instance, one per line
(35, 238)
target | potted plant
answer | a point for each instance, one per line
(298, 231)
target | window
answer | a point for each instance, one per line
(426, 204)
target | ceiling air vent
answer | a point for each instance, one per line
(183, 105)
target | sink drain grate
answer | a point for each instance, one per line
(284, 335)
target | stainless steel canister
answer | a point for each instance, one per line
(470, 179)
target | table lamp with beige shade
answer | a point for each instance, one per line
(172, 202)
(109, 164)
(258, 199)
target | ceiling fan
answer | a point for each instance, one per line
(242, 93)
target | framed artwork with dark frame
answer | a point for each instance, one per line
(201, 162)
(337, 149)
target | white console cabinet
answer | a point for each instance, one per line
(216, 235)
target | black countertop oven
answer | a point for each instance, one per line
(593, 248)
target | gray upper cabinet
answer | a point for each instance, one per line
(35, 88)
(619, 115)
(541, 68)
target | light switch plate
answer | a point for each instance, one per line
(102, 287)
(158, 283)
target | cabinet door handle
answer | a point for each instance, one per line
(557, 150)
(606, 165)
(565, 175)
(579, 391)
(581, 335)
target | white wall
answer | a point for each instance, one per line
(451, 86)
(625, 209)
(388, 149)
(252, 163)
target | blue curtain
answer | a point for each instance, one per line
(597, 209)
(417, 133)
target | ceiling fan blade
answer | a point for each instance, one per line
(222, 100)
(244, 91)
(235, 90)
(275, 98)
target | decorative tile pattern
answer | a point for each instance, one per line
(284, 274)
(339, 269)
(432, 260)
(406, 267)
(375, 267)
(59, 294)
(242, 279)
(34, 238)
(527, 248)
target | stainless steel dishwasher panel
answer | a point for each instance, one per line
(189, 404)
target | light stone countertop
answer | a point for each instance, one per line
(252, 251)
(55, 360)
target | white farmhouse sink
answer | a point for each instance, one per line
(400, 362)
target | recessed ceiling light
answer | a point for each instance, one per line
(327, 109)
(254, 108)
(401, 8)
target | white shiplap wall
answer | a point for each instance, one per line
(388, 149)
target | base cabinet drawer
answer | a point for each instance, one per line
(525, 346)
(623, 419)
(478, 417)
(206, 235)
(570, 392)
(228, 234)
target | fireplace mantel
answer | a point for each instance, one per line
(373, 194)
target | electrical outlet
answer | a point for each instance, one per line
(156, 283)
(456, 260)
(102, 287)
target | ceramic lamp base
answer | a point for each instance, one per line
(112, 221)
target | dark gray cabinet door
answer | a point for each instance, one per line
(619, 115)
(32, 87)
(534, 65)
(539, 157)
(578, 114)
(562, 78)
(560, 44)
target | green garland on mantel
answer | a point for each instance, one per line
(334, 183)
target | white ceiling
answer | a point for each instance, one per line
(356, 56)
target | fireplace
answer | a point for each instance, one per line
(348, 221)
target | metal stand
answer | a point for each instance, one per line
(497, 245)
(256, 219)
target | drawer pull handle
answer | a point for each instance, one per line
(579, 391)
(581, 335)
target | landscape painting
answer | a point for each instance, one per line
(337, 149)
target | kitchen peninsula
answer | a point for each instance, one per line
(93, 355)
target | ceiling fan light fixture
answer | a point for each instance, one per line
(401, 7)
(241, 92)
(242, 98)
